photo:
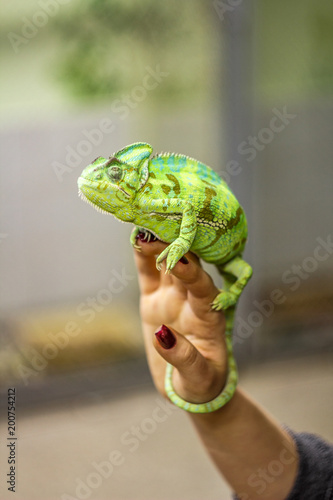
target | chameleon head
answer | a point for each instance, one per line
(110, 183)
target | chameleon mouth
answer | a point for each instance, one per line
(98, 186)
(96, 207)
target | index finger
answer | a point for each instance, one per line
(195, 279)
(145, 260)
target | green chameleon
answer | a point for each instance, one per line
(182, 202)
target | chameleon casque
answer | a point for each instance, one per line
(184, 203)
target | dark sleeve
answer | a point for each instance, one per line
(314, 480)
(315, 475)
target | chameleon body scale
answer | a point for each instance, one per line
(184, 203)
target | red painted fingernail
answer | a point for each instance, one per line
(141, 236)
(165, 337)
(145, 237)
(183, 260)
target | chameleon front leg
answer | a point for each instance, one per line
(173, 208)
(236, 274)
(182, 244)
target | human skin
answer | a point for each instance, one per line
(242, 438)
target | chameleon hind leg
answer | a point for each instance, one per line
(236, 273)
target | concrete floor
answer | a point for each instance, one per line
(143, 448)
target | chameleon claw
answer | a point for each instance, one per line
(135, 245)
(146, 236)
(161, 258)
(224, 300)
(215, 307)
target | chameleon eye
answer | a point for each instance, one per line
(115, 173)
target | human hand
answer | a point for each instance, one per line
(193, 341)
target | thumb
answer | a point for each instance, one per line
(195, 378)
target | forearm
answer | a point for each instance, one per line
(254, 454)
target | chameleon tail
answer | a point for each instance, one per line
(232, 380)
(229, 388)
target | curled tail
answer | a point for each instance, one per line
(236, 273)
(230, 385)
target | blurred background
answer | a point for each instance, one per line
(245, 87)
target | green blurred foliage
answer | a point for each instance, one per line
(93, 51)
(108, 44)
(322, 48)
(105, 46)
(293, 49)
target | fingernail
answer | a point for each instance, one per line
(183, 260)
(142, 236)
(165, 337)
(146, 237)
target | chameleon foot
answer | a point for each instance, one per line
(224, 300)
(133, 237)
(173, 253)
(142, 235)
